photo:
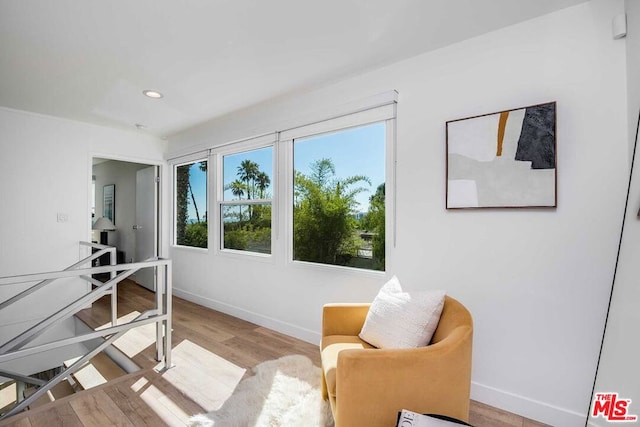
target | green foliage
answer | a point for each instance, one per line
(374, 221)
(182, 186)
(238, 188)
(188, 234)
(325, 226)
(324, 223)
(248, 237)
(248, 172)
(196, 235)
(248, 227)
(236, 239)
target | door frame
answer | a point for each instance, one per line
(161, 247)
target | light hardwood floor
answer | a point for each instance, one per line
(201, 335)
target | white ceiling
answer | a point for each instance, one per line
(90, 60)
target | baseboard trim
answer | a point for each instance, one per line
(528, 408)
(259, 319)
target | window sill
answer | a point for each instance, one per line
(190, 248)
(246, 255)
(338, 269)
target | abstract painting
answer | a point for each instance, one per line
(503, 159)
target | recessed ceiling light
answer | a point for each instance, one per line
(152, 94)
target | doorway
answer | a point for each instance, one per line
(126, 193)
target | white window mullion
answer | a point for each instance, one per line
(285, 204)
(215, 238)
(390, 186)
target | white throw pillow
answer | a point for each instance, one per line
(399, 319)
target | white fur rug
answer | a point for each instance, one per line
(282, 392)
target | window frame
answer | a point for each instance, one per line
(331, 119)
(217, 157)
(183, 161)
(385, 113)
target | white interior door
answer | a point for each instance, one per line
(146, 223)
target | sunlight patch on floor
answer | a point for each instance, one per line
(88, 376)
(135, 340)
(7, 394)
(208, 379)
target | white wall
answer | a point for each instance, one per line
(45, 169)
(536, 281)
(619, 370)
(632, 39)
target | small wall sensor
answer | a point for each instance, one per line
(619, 26)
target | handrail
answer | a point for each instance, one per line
(114, 291)
(17, 347)
(64, 313)
(12, 280)
(28, 351)
(43, 283)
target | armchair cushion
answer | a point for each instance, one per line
(331, 346)
(400, 319)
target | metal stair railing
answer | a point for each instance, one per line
(16, 347)
(64, 374)
(113, 261)
(101, 250)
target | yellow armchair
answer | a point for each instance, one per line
(367, 386)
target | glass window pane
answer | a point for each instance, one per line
(248, 175)
(339, 202)
(191, 204)
(247, 227)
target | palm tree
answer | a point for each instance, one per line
(237, 189)
(203, 167)
(182, 191)
(193, 198)
(247, 172)
(262, 183)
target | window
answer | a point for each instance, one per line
(339, 197)
(246, 205)
(320, 193)
(191, 204)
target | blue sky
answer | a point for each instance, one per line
(356, 151)
(263, 157)
(198, 180)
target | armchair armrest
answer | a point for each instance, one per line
(343, 319)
